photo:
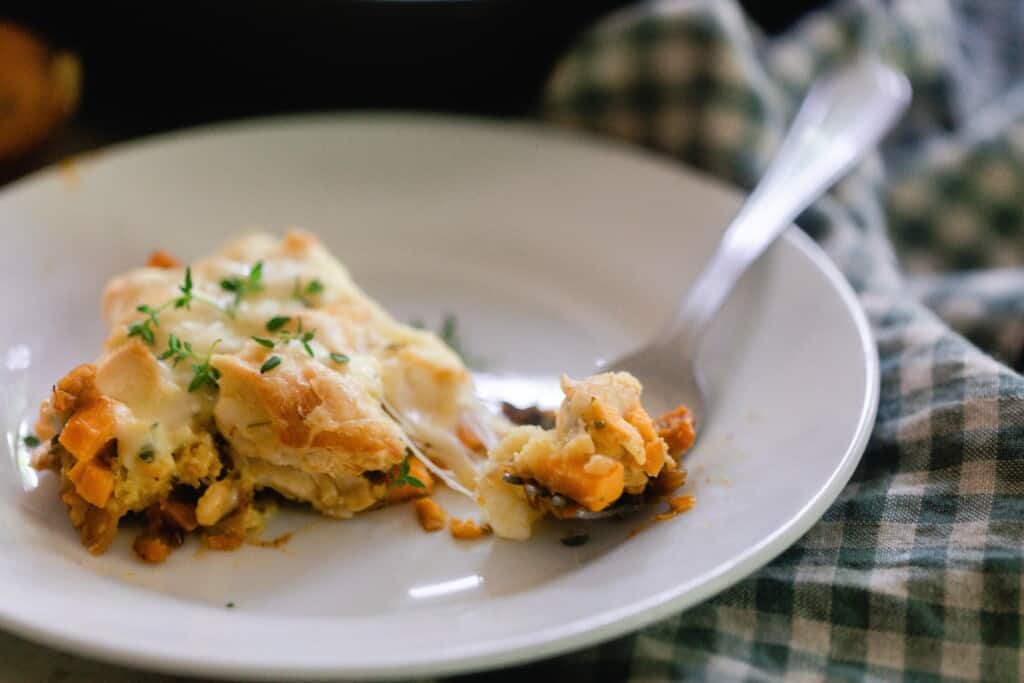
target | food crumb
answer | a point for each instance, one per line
(676, 428)
(467, 529)
(230, 605)
(430, 515)
(677, 505)
(276, 542)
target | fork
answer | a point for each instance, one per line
(844, 114)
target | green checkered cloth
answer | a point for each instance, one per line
(915, 573)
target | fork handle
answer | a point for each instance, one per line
(845, 114)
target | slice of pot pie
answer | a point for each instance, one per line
(260, 367)
(265, 367)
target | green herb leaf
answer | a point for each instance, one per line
(185, 300)
(314, 287)
(143, 331)
(253, 282)
(31, 440)
(263, 341)
(404, 478)
(339, 357)
(270, 364)
(203, 373)
(449, 332)
(200, 377)
(256, 277)
(276, 323)
(305, 339)
(175, 350)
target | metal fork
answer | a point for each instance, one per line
(844, 114)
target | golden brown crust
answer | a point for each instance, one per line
(320, 421)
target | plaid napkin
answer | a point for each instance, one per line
(915, 573)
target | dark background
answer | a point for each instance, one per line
(152, 66)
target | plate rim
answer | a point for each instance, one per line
(582, 633)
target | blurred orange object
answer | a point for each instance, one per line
(39, 90)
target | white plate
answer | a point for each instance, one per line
(555, 251)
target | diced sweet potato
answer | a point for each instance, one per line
(430, 514)
(93, 481)
(569, 476)
(90, 428)
(151, 548)
(162, 259)
(676, 428)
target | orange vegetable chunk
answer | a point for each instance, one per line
(90, 428)
(93, 481)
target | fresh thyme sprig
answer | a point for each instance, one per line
(277, 322)
(250, 284)
(404, 478)
(284, 337)
(202, 372)
(144, 328)
(312, 288)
